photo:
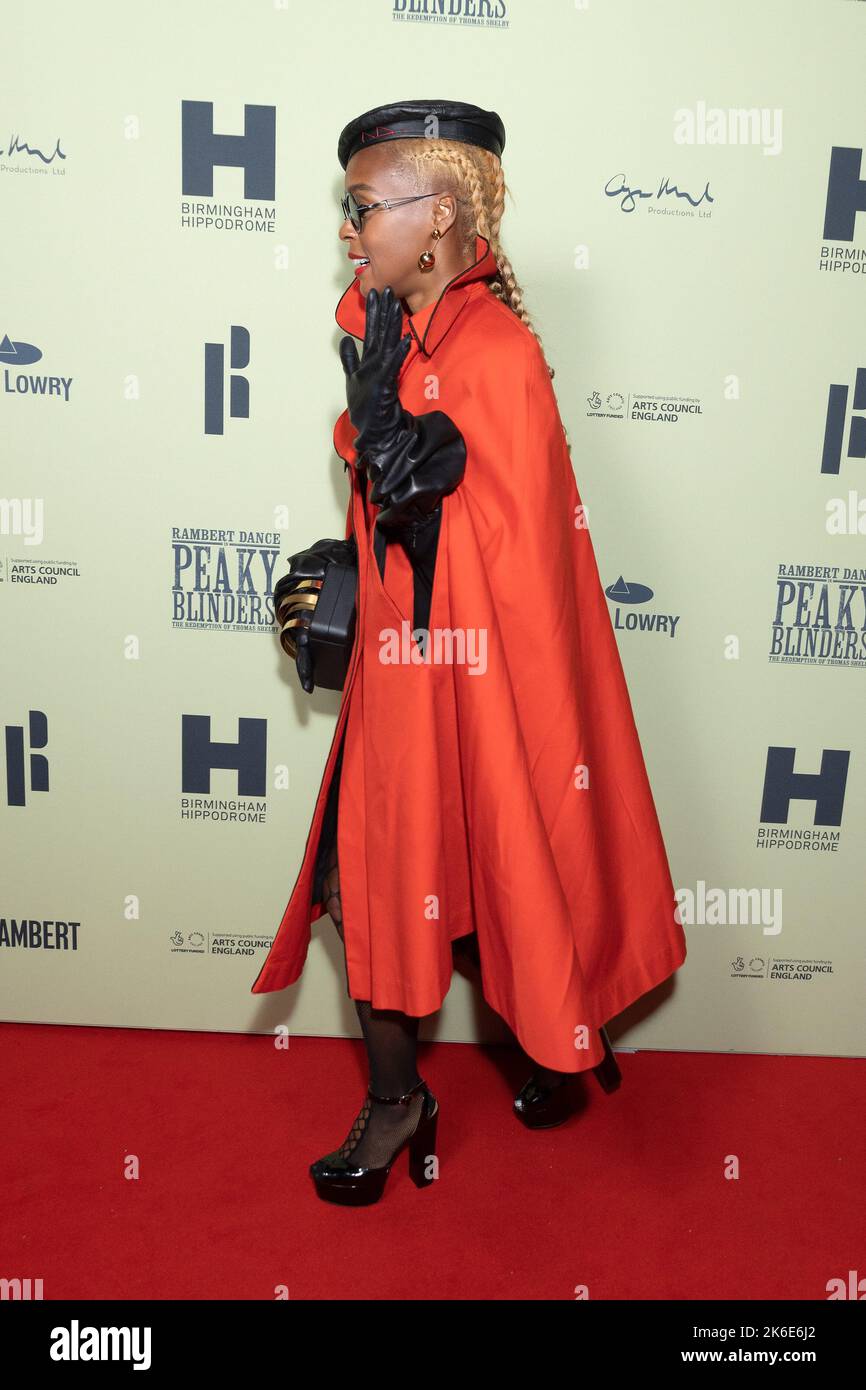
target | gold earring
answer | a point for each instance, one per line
(427, 259)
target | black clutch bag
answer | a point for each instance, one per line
(327, 608)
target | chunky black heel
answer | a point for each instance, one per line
(337, 1179)
(543, 1106)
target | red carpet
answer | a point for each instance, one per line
(628, 1198)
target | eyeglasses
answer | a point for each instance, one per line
(355, 210)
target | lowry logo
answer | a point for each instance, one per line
(18, 354)
(14, 356)
(625, 593)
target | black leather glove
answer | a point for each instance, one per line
(425, 461)
(311, 564)
(371, 384)
(412, 461)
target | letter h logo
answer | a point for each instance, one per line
(200, 754)
(202, 149)
(826, 788)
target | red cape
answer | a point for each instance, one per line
(462, 802)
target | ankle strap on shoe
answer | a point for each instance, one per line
(399, 1100)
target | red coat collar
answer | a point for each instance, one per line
(431, 323)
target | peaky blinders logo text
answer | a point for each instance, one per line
(485, 14)
(820, 616)
(223, 579)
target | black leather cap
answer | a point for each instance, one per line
(457, 120)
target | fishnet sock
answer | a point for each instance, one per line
(391, 1039)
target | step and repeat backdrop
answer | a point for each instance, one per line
(687, 218)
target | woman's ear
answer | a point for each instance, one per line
(448, 207)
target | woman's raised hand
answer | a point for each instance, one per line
(371, 382)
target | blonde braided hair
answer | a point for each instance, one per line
(474, 175)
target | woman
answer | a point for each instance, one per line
(485, 775)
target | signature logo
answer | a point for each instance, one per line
(17, 146)
(616, 187)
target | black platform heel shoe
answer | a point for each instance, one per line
(337, 1179)
(541, 1106)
